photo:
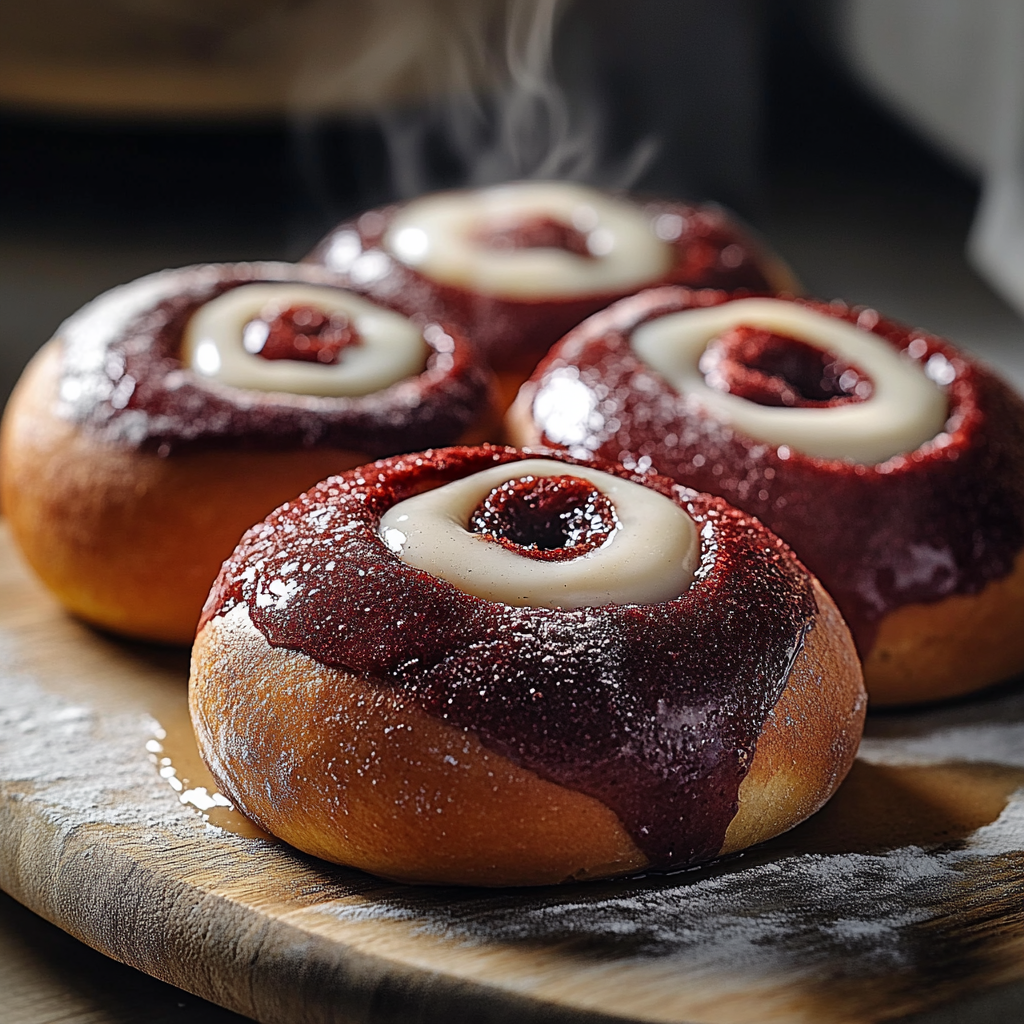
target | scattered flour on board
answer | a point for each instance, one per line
(79, 765)
(800, 913)
(760, 914)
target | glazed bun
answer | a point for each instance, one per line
(172, 413)
(892, 463)
(479, 718)
(517, 265)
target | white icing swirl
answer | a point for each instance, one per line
(905, 409)
(391, 346)
(650, 558)
(438, 235)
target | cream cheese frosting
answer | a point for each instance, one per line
(650, 558)
(439, 236)
(390, 348)
(905, 409)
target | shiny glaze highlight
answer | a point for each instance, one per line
(123, 378)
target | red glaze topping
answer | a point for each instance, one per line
(535, 233)
(302, 333)
(654, 710)
(551, 518)
(944, 519)
(123, 377)
(772, 369)
(709, 251)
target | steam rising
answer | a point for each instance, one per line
(533, 132)
(469, 83)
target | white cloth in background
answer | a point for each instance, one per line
(955, 68)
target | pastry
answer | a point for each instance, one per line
(891, 462)
(170, 414)
(484, 666)
(518, 265)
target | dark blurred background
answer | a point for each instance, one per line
(749, 103)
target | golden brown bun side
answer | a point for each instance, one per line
(520, 429)
(125, 539)
(810, 739)
(369, 781)
(344, 770)
(949, 647)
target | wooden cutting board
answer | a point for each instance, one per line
(904, 896)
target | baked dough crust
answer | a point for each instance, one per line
(342, 768)
(950, 647)
(810, 738)
(82, 510)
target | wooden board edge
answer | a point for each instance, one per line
(272, 971)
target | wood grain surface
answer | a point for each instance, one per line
(47, 977)
(903, 897)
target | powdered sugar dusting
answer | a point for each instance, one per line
(73, 761)
(981, 730)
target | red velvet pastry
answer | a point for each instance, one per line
(171, 413)
(519, 265)
(921, 544)
(385, 715)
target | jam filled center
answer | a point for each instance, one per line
(773, 369)
(552, 518)
(303, 333)
(536, 233)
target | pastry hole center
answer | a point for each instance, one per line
(538, 232)
(776, 370)
(302, 333)
(552, 518)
